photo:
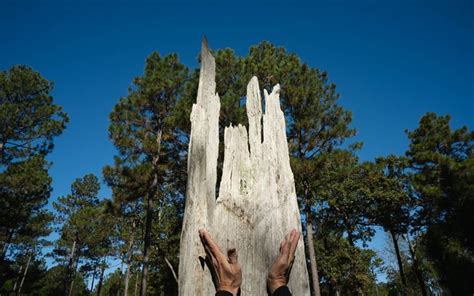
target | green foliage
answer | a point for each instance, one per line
(428, 195)
(86, 231)
(52, 283)
(113, 284)
(394, 197)
(15, 272)
(24, 190)
(443, 176)
(148, 172)
(139, 128)
(28, 118)
(83, 194)
(343, 267)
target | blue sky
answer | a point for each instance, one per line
(392, 61)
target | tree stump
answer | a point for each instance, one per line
(257, 202)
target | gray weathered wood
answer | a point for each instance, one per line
(257, 203)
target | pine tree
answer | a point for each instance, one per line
(147, 143)
(442, 164)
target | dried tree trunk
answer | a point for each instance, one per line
(172, 270)
(257, 203)
(312, 258)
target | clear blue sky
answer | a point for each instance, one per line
(392, 62)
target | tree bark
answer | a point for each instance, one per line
(416, 267)
(101, 279)
(312, 258)
(400, 263)
(24, 275)
(93, 280)
(129, 260)
(146, 247)
(73, 281)
(256, 204)
(149, 216)
(69, 277)
(17, 279)
(136, 285)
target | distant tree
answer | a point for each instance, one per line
(75, 218)
(28, 118)
(146, 141)
(391, 209)
(112, 285)
(25, 187)
(52, 283)
(442, 164)
(25, 274)
(344, 268)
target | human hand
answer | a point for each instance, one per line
(279, 273)
(225, 270)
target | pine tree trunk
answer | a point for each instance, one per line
(17, 279)
(149, 217)
(129, 260)
(73, 281)
(312, 258)
(93, 280)
(146, 247)
(101, 279)
(400, 263)
(68, 278)
(24, 275)
(416, 267)
(135, 292)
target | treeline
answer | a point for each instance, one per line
(128, 244)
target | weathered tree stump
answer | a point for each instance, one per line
(257, 203)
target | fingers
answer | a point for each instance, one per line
(232, 254)
(211, 245)
(294, 239)
(284, 247)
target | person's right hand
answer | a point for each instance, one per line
(225, 270)
(279, 273)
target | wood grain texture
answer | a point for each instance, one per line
(257, 203)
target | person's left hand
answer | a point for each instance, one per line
(225, 270)
(279, 273)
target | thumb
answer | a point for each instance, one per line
(232, 254)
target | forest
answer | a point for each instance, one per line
(128, 243)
